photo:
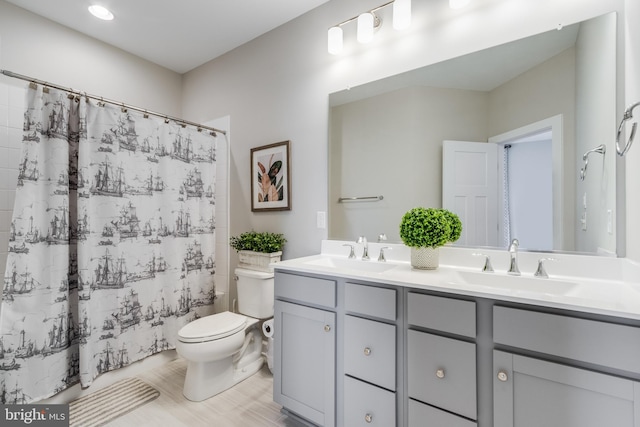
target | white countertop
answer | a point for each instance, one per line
(593, 284)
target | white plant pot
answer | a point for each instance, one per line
(258, 261)
(425, 258)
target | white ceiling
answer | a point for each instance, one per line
(179, 35)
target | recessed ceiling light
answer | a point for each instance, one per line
(101, 12)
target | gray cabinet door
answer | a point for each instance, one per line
(532, 393)
(304, 355)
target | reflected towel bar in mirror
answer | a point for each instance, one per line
(360, 199)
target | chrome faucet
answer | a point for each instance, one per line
(488, 268)
(541, 271)
(352, 254)
(381, 257)
(513, 254)
(365, 252)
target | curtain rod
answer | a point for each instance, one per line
(121, 104)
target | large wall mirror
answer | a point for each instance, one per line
(499, 136)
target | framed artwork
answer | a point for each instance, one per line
(271, 178)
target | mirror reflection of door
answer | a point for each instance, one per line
(470, 189)
(507, 186)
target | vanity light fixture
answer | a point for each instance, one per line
(101, 12)
(401, 14)
(458, 4)
(335, 40)
(368, 22)
(366, 25)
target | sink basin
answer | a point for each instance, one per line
(352, 264)
(517, 284)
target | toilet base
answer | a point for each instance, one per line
(206, 379)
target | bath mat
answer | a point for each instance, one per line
(109, 403)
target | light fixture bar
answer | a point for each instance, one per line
(368, 22)
(375, 9)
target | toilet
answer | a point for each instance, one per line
(225, 348)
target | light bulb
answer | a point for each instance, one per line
(457, 4)
(365, 27)
(101, 12)
(401, 14)
(334, 37)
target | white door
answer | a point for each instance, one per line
(470, 189)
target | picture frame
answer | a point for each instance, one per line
(271, 177)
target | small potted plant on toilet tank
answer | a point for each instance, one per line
(424, 230)
(256, 250)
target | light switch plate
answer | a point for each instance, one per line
(321, 219)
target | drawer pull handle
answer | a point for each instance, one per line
(440, 373)
(367, 351)
(368, 418)
(502, 376)
(327, 328)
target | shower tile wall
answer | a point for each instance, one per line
(11, 117)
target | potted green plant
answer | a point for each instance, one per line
(256, 250)
(424, 230)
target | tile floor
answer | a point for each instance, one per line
(248, 404)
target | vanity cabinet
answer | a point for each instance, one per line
(305, 347)
(441, 372)
(529, 392)
(360, 354)
(575, 376)
(369, 356)
(366, 405)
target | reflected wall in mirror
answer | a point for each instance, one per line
(556, 89)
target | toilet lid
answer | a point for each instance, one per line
(212, 327)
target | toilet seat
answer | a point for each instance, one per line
(214, 327)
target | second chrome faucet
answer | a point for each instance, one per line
(513, 255)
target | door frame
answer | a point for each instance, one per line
(555, 125)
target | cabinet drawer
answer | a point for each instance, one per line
(442, 314)
(367, 405)
(419, 413)
(370, 351)
(370, 301)
(442, 372)
(312, 290)
(591, 341)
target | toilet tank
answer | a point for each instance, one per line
(255, 293)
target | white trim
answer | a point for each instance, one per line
(555, 125)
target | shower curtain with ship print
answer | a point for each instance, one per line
(112, 243)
